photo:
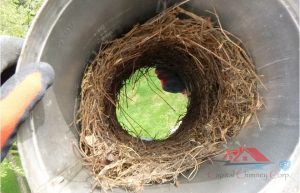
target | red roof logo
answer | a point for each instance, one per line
(249, 155)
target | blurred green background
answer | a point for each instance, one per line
(15, 19)
(145, 110)
(16, 16)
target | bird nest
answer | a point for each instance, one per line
(221, 85)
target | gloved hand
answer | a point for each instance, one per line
(21, 92)
(170, 81)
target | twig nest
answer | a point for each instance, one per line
(221, 84)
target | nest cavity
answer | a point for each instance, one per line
(221, 85)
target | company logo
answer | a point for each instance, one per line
(242, 156)
(251, 164)
(285, 165)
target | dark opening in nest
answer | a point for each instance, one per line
(221, 84)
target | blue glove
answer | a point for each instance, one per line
(170, 81)
(21, 92)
